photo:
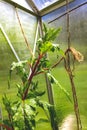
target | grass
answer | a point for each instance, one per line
(81, 88)
(63, 105)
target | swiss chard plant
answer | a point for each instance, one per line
(23, 111)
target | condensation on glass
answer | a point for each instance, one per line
(78, 37)
(9, 21)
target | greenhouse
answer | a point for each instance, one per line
(43, 64)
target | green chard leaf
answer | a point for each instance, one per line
(50, 33)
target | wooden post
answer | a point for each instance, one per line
(69, 70)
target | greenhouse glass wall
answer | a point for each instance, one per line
(43, 64)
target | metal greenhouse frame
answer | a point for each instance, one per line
(40, 14)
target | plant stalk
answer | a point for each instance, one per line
(31, 77)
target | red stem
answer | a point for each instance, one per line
(5, 126)
(31, 76)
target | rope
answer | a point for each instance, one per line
(26, 41)
(69, 70)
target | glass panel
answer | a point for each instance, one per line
(54, 14)
(9, 21)
(5, 53)
(43, 3)
(78, 24)
(23, 3)
(78, 29)
(62, 10)
(6, 58)
(78, 33)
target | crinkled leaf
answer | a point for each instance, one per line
(41, 120)
(45, 106)
(34, 86)
(18, 64)
(8, 105)
(39, 93)
(19, 67)
(34, 94)
(50, 33)
(46, 47)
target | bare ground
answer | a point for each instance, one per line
(68, 123)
